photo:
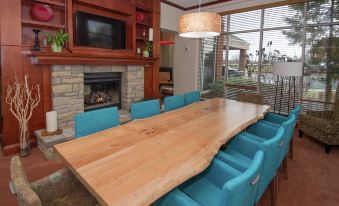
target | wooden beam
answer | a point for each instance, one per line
(70, 58)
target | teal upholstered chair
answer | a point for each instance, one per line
(191, 97)
(276, 120)
(219, 184)
(87, 123)
(175, 198)
(145, 109)
(174, 102)
(272, 118)
(289, 125)
(239, 153)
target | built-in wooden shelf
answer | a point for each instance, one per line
(144, 24)
(141, 38)
(42, 25)
(72, 59)
(50, 2)
(143, 9)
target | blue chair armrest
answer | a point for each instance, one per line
(176, 198)
(262, 130)
(276, 118)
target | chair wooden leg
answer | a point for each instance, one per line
(327, 148)
(276, 188)
(285, 168)
(301, 133)
(273, 188)
(291, 148)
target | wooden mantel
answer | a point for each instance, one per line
(71, 58)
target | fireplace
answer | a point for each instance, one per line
(102, 90)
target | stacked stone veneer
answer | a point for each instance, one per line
(68, 88)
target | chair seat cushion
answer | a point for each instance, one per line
(202, 191)
(270, 123)
(326, 125)
(79, 197)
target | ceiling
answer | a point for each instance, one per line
(192, 4)
(189, 3)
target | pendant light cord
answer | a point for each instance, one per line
(199, 5)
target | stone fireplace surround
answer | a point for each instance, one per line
(68, 89)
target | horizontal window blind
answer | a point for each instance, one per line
(207, 62)
(278, 46)
(253, 41)
(321, 67)
(245, 21)
(243, 63)
(284, 16)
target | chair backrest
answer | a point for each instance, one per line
(25, 195)
(87, 123)
(140, 110)
(270, 148)
(191, 97)
(241, 190)
(284, 144)
(174, 102)
(250, 98)
(296, 111)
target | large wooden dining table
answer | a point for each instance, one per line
(138, 162)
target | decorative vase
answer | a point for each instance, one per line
(24, 152)
(41, 12)
(139, 17)
(55, 48)
(145, 53)
(25, 148)
(36, 46)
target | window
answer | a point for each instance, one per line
(304, 32)
(321, 66)
(207, 63)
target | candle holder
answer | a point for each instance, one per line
(36, 46)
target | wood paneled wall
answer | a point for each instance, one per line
(16, 39)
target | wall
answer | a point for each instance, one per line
(166, 55)
(169, 17)
(185, 64)
(167, 50)
(185, 74)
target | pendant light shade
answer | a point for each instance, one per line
(200, 25)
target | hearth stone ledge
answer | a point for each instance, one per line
(68, 90)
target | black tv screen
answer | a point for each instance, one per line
(98, 31)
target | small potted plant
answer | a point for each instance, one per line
(57, 40)
(148, 49)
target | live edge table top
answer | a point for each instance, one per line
(138, 162)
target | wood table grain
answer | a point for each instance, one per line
(138, 162)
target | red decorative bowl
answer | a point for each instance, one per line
(139, 17)
(42, 12)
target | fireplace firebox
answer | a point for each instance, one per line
(102, 90)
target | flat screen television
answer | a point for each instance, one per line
(98, 31)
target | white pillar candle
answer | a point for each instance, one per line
(150, 34)
(51, 121)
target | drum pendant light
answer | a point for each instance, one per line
(200, 24)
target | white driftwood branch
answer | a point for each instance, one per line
(22, 100)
